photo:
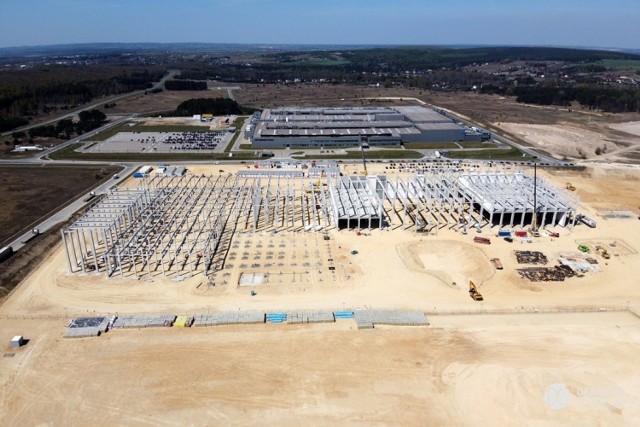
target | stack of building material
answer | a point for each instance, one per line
(87, 327)
(183, 322)
(228, 318)
(145, 321)
(343, 314)
(276, 317)
(296, 317)
(366, 319)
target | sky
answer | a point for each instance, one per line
(587, 23)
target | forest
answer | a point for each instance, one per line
(215, 106)
(28, 93)
(65, 128)
(185, 85)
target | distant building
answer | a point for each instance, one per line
(353, 126)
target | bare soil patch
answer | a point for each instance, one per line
(448, 260)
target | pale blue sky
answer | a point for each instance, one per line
(601, 23)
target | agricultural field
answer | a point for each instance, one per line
(28, 193)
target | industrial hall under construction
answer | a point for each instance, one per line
(171, 224)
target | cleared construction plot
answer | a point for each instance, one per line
(327, 374)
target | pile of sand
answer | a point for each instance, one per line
(447, 260)
(560, 139)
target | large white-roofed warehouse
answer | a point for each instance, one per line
(174, 225)
(326, 127)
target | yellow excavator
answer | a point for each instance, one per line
(473, 292)
(569, 186)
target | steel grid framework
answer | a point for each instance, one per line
(184, 225)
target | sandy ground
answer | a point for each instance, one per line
(460, 370)
(577, 142)
(629, 127)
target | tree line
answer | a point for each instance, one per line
(215, 106)
(613, 100)
(65, 128)
(20, 102)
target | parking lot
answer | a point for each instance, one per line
(164, 142)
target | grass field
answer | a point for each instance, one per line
(621, 63)
(493, 154)
(27, 193)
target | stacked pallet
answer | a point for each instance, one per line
(366, 319)
(82, 327)
(228, 318)
(276, 317)
(297, 317)
(145, 321)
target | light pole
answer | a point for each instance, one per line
(534, 224)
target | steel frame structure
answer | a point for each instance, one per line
(184, 225)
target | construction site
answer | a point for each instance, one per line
(284, 291)
(186, 224)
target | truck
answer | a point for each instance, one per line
(482, 240)
(496, 263)
(90, 197)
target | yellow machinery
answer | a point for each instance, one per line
(569, 186)
(473, 292)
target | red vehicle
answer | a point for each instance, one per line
(482, 240)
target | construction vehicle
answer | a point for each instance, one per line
(482, 240)
(473, 292)
(569, 186)
(497, 263)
